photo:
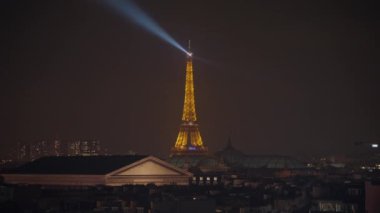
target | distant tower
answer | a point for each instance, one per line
(189, 140)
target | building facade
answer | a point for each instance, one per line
(98, 170)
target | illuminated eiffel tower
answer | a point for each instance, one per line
(189, 140)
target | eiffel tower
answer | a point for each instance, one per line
(189, 140)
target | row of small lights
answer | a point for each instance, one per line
(377, 166)
(207, 178)
(6, 161)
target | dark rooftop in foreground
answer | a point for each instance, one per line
(77, 164)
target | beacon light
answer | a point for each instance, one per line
(132, 12)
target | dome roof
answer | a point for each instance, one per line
(208, 162)
(271, 162)
(236, 159)
(185, 160)
(230, 155)
(203, 162)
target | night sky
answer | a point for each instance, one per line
(284, 77)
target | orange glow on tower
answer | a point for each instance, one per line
(189, 140)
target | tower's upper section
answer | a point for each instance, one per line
(189, 53)
(189, 113)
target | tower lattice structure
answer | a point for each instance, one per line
(189, 140)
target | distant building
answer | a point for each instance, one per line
(44, 148)
(23, 153)
(97, 170)
(84, 148)
(231, 159)
(238, 160)
(41, 149)
(32, 151)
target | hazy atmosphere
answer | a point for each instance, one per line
(296, 79)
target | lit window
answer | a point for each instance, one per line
(200, 178)
(215, 178)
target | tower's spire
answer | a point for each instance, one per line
(189, 140)
(189, 53)
(189, 102)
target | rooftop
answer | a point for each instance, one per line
(77, 164)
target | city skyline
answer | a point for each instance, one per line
(106, 107)
(276, 78)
